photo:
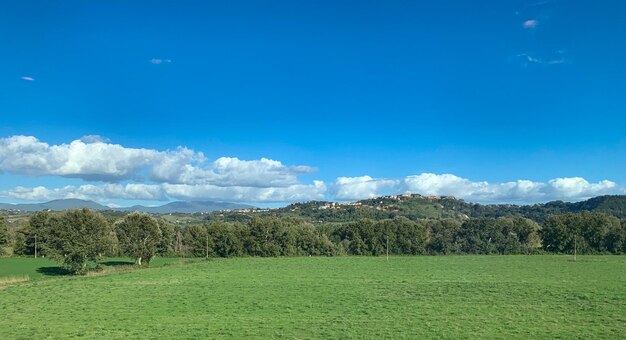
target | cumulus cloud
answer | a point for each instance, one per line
(104, 192)
(165, 191)
(292, 193)
(125, 173)
(451, 185)
(91, 161)
(351, 188)
(519, 191)
(95, 158)
(179, 173)
(524, 191)
(227, 171)
(578, 187)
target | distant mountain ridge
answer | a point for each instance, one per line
(410, 206)
(414, 206)
(172, 207)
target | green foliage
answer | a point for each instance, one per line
(168, 238)
(227, 238)
(502, 235)
(442, 236)
(197, 241)
(23, 241)
(139, 236)
(76, 237)
(4, 232)
(368, 237)
(587, 232)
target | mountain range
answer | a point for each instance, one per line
(410, 206)
(172, 207)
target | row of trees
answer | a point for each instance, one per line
(515, 235)
(584, 232)
(76, 237)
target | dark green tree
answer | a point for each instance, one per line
(167, 245)
(197, 241)
(226, 239)
(139, 236)
(76, 237)
(4, 238)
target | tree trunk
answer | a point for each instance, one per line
(139, 261)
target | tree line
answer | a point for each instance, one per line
(76, 237)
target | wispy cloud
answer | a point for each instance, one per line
(94, 139)
(526, 59)
(159, 61)
(27, 78)
(530, 24)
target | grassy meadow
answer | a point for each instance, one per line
(327, 297)
(40, 268)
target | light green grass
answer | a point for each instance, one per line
(343, 297)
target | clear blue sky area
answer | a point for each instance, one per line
(492, 91)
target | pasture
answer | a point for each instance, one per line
(330, 297)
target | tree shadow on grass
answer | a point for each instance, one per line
(117, 263)
(53, 271)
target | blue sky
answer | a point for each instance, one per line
(491, 101)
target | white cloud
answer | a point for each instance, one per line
(88, 192)
(185, 174)
(95, 158)
(228, 171)
(352, 188)
(524, 191)
(179, 173)
(451, 185)
(94, 139)
(158, 61)
(529, 24)
(552, 58)
(27, 78)
(520, 191)
(91, 161)
(577, 187)
(292, 193)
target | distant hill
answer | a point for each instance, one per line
(437, 207)
(410, 206)
(187, 207)
(173, 207)
(55, 205)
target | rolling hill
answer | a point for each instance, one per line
(172, 207)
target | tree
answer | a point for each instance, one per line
(4, 240)
(585, 231)
(167, 244)
(76, 237)
(139, 236)
(197, 241)
(226, 240)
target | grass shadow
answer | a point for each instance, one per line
(117, 263)
(53, 271)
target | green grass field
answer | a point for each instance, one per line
(341, 297)
(40, 268)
